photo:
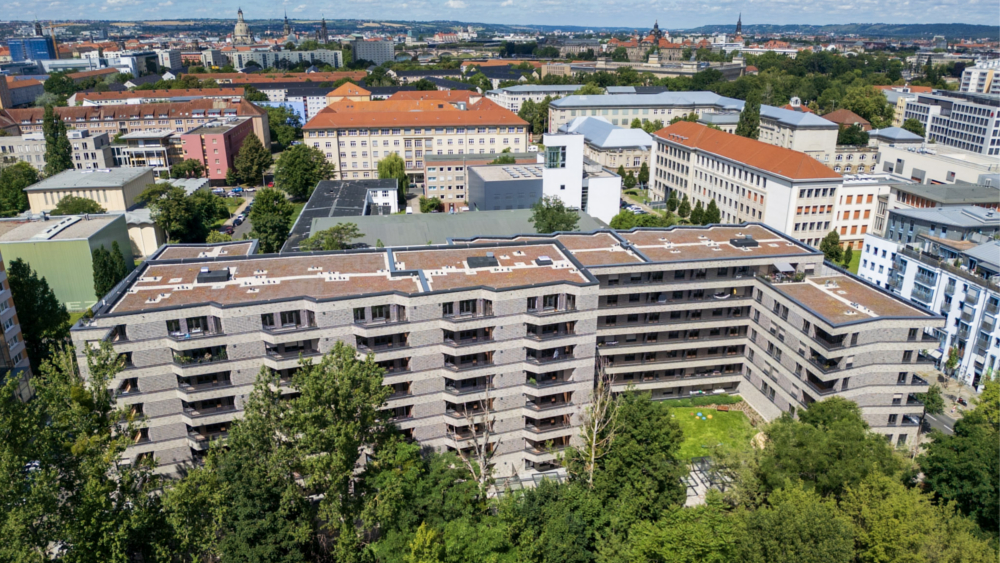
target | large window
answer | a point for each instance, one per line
(555, 157)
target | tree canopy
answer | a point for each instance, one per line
(252, 160)
(13, 180)
(270, 219)
(549, 215)
(299, 169)
(183, 217)
(43, 318)
(338, 237)
(75, 205)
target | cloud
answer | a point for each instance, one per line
(167, 3)
(299, 8)
(507, 3)
(455, 4)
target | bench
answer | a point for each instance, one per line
(722, 408)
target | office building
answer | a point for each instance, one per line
(60, 249)
(749, 180)
(982, 78)
(803, 132)
(376, 51)
(518, 329)
(178, 117)
(115, 189)
(159, 149)
(169, 59)
(964, 120)
(230, 94)
(898, 96)
(610, 146)
(32, 49)
(445, 176)
(356, 135)
(937, 164)
(216, 144)
(512, 97)
(89, 152)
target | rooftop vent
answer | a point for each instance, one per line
(543, 261)
(487, 261)
(208, 276)
(746, 241)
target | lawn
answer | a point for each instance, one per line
(75, 316)
(296, 210)
(855, 261)
(700, 436)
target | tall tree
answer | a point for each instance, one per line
(252, 160)
(299, 169)
(271, 219)
(74, 205)
(549, 215)
(600, 424)
(848, 255)
(698, 214)
(629, 180)
(101, 261)
(184, 218)
(830, 246)
(285, 126)
(684, 210)
(188, 168)
(914, 126)
(644, 175)
(672, 202)
(58, 152)
(44, 320)
(852, 136)
(337, 237)
(712, 214)
(749, 124)
(13, 180)
(870, 103)
(393, 166)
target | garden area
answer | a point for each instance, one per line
(706, 428)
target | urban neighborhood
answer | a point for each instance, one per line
(507, 282)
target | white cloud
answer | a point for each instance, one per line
(167, 3)
(299, 8)
(455, 4)
(507, 3)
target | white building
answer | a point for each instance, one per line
(749, 180)
(963, 120)
(612, 146)
(983, 78)
(268, 59)
(513, 96)
(169, 59)
(937, 164)
(378, 51)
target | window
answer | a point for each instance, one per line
(359, 315)
(447, 309)
(549, 302)
(467, 307)
(267, 319)
(532, 303)
(555, 157)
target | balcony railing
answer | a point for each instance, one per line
(292, 354)
(194, 334)
(460, 390)
(190, 387)
(209, 411)
(382, 346)
(291, 327)
(545, 359)
(206, 358)
(550, 335)
(471, 364)
(544, 405)
(826, 366)
(538, 428)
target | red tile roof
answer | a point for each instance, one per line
(777, 160)
(445, 95)
(89, 73)
(847, 118)
(412, 113)
(175, 93)
(11, 83)
(348, 89)
(133, 111)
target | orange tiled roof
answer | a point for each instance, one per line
(801, 108)
(11, 83)
(446, 95)
(914, 89)
(846, 117)
(777, 160)
(176, 93)
(391, 105)
(411, 113)
(348, 89)
(4, 51)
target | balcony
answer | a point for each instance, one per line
(380, 315)
(468, 337)
(546, 447)
(830, 342)
(820, 386)
(925, 359)
(548, 332)
(544, 380)
(924, 279)
(910, 420)
(992, 306)
(549, 402)
(395, 366)
(922, 294)
(988, 324)
(971, 297)
(194, 327)
(201, 356)
(550, 355)
(293, 350)
(118, 334)
(967, 315)
(288, 321)
(539, 426)
(209, 407)
(382, 343)
(204, 435)
(465, 410)
(550, 305)
(671, 318)
(203, 382)
(824, 364)
(675, 374)
(676, 297)
(400, 390)
(469, 361)
(400, 413)
(468, 386)
(468, 310)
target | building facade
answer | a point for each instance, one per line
(88, 152)
(115, 189)
(937, 164)
(32, 49)
(378, 51)
(610, 146)
(510, 330)
(215, 145)
(982, 78)
(513, 96)
(269, 59)
(140, 97)
(241, 31)
(964, 120)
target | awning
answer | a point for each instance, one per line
(936, 354)
(784, 267)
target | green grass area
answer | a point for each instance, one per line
(75, 316)
(296, 209)
(701, 436)
(233, 203)
(855, 261)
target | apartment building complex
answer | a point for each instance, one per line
(88, 152)
(273, 59)
(964, 120)
(216, 144)
(513, 96)
(356, 135)
(177, 117)
(376, 51)
(749, 180)
(800, 131)
(139, 97)
(514, 326)
(983, 77)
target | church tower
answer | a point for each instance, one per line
(739, 25)
(287, 30)
(321, 34)
(241, 32)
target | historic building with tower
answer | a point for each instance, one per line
(241, 32)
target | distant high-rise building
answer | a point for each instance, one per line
(241, 32)
(32, 49)
(378, 51)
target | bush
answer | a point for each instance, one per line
(429, 204)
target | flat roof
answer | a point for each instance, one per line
(345, 274)
(63, 228)
(214, 128)
(840, 299)
(100, 178)
(952, 193)
(968, 216)
(508, 172)
(334, 198)
(181, 252)
(150, 134)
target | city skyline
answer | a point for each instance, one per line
(672, 14)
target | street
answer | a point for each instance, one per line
(243, 228)
(941, 422)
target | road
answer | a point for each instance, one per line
(941, 422)
(243, 228)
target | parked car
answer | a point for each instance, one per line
(237, 222)
(228, 229)
(270, 184)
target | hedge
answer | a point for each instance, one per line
(705, 400)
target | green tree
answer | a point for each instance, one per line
(636, 124)
(426, 547)
(852, 136)
(672, 202)
(73, 205)
(701, 534)
(830, 246)
(870, 103)
(393, 166)
(550, 215)
(338, 237)
(271, 219)
(504, 159)
(529, 112)
(184, 218)
(424, 84)
(749, 124)
(188, 168)
(58, 152)
(684, 210)
(589, 89)
(218, 236)
(13, 180)
(625, 219)
(629, 180)
(848, 255)
(689, 117)
(712, 214)
(252, 160)
(109, 269)
(954, 358)
(644, 176)
(914, 126)
(285, 126)
(44, 320)
(698, 214)
(252, 94)
(429, 204)
(59, 84)
(797, 526)
(620, 54)
(299, 169)
(621, 171)
(652, 126)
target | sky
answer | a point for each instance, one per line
(639, 14)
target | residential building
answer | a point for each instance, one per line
(350, 92)
(32, 49)
(562, 172)
(610, 146)
(269, 59)
(517, 332)
(663, 68)
(410, 76)
(61, 249)
(803, 132)
(938, 164)
(356, 135)
(445, 176)
(23, 93)
(213, 58)
(179, 117)
(577, 46)
(982, 78)
(964, 120)
(845, 118)
(749, 180)
(216, 144)
(115, 189)
(158, 149)
(851, 159)
(337, 199)
(88, 152)
(13, 353)
(141, 97)
(169, 59)
(377, 51)
(512, 97)
(858, 202)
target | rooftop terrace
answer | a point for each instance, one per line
(842, 299)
